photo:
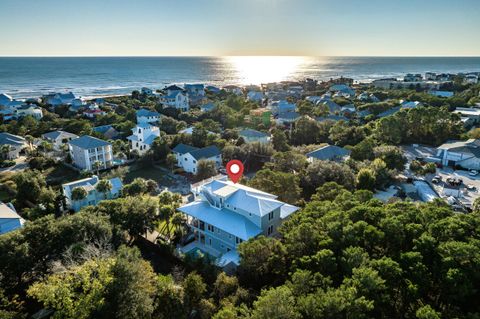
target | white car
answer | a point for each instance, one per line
(473, 172)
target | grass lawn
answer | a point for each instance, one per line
(147, 173)
(60, 174)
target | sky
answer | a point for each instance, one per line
(239, 27)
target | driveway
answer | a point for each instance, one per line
(20, 165)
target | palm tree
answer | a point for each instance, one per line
(96, 166)
(4, 151)
(29, 140)
(46, 147)
(104, 186)
(79, 193)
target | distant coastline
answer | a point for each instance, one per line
(25, 77)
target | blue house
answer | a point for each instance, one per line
(93, 196)
(225, 214)
(9, 219)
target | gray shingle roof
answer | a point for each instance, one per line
(329, 152)
(205, 152)
(183, 149)
(10, 139)
(252, 133)
(87, 141)
(145, 112)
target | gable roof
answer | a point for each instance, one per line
(329, 152)
(173, 88)
(102, 128)
(252, 133)
(88, 141)
(205, 152)
(10, 139)
(6, 212)
(183, 148)
(471, 146)
(55, 134)
(245, 198)
(145, 112)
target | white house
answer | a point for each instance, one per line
(142, 137)
(175, 99)
(471, 79)
(342, 90)
(93, 196)
(189, 131)
(29, 109)
(9, 219)
(224, 215)
(281, 106)
(465, 154)
(188, 156)
(410, 104)
(409, 77)
(233, 89)
(195, 92)
(250, 136)
(473, 114)
(329, 153)
(87, 150)
(59, 138)
(147, 116)
(56, 99)
(15, 142)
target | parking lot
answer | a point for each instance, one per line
(468, 196)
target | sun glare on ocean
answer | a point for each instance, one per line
(265, 69)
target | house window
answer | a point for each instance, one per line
(270, 230)
(211, 228)
(238, 240)
(270, 216)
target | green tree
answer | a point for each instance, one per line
(284, 185)
(77, 293)
(275, 303)
(262, 261)
(104, 186)
(280, 141)
(366, 179)
(79, 193)
(206, 169)
(194, 289)
(171, 161)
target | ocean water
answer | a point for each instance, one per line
(24, 77)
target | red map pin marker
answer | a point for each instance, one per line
(235, 170)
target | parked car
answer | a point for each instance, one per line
(473, 172)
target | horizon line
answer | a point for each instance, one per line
(242, 55)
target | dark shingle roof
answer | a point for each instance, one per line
(87, 141)
(183, 149)
(205, 152)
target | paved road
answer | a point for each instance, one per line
(20, 165)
